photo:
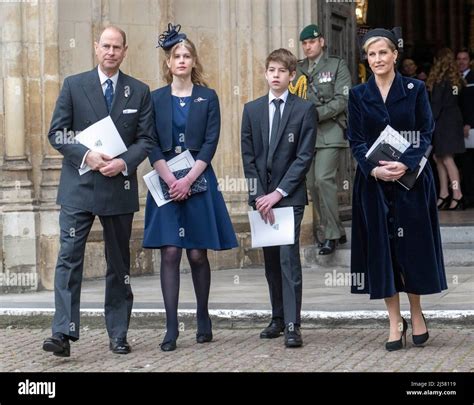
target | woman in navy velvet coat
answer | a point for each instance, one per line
(396, 243)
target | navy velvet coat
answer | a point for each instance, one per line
(396, 243)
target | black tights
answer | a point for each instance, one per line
(169, 274)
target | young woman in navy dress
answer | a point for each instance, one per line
(187, 117)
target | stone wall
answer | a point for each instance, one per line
(43, 41)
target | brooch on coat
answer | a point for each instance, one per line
(199, 99)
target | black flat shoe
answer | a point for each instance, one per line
(203, 337)
(400, 343)
(119, 346)
(293, 337)
(342, 240)
(273, 330)
(206, 336)
(58, 344)
(419, 340)
(169, 344)
(328, 247)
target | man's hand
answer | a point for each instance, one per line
(113, 167)
(180, 189)
(390, 171)
(265, 203)
(97, 160)
(466, 130)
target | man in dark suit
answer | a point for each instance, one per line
(278, 139)
(466, 103)
(109, 190)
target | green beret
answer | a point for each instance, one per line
(311, 31)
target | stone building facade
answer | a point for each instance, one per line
(43, 41)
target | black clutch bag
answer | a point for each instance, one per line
(199, 186)
(384, 151)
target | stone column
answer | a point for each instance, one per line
(18, 222)
(49, 82)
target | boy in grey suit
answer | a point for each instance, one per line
(278, 138)
(109, 190)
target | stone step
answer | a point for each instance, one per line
(40, 318)
(458, 249)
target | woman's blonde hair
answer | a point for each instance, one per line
(444, 68)
(373, 40)
(197, 76)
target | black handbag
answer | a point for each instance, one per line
(199, 186)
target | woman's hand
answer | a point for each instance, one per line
(180, 189)
(389, 171)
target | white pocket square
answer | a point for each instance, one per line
(130, 111)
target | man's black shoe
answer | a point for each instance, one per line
(273, 330)
(58, 344)
(329, 247)
(120, 346)
(293, 336)
(342, 240)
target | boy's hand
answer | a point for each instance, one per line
(265, 203)
(270, 217)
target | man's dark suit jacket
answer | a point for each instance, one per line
(467, 100)
(81, 104)
(291, 155)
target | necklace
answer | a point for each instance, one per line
(182, 101)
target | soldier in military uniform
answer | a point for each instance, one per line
(324, 80)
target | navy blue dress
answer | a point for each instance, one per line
(201, 221)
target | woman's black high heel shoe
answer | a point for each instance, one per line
(419, 340)
(402, 342)
(205, 337)
(459, 204)
(168, 345)
(445, 201)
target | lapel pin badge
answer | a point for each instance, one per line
(126, 92)
(199, 99)
(410, 85)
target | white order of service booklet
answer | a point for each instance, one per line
(282, 232)
(102, 137)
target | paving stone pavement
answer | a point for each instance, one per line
(239, 350)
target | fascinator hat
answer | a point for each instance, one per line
(170, 37)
